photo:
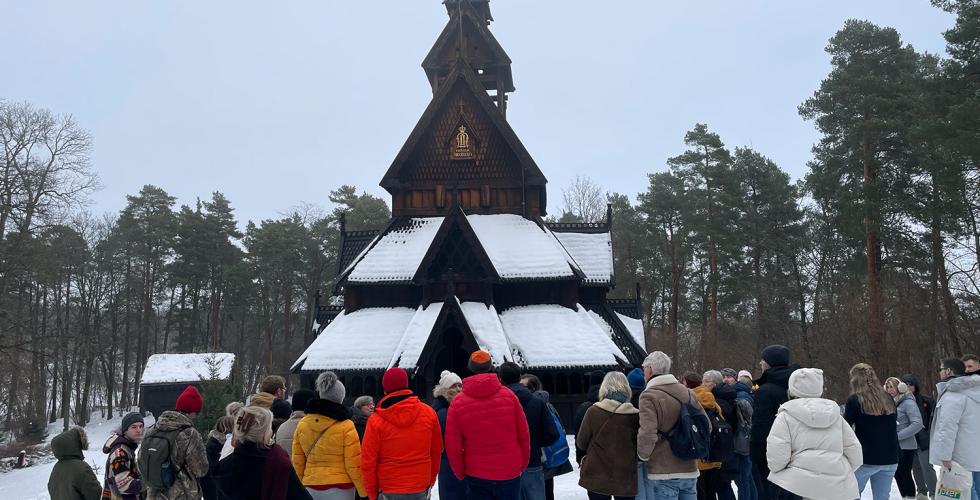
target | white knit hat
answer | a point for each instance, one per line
(806, 383)
(448, 379)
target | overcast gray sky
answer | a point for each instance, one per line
(276, 103)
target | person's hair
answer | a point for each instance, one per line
(869, 391)
(225, 424)
(509, 373)
(746, 380)
(232, 408)
(614, 382)
(659, 362)
(957, 366)
(363, 401)
(970, 357)
(533, 382)
(691, 379)
(272, 384)
(713, 376)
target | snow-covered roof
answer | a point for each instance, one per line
(416, 334)
(552, 336)
(484, 322)
(519, 248)
(396, 255)
(191, 367)
(592, 252)
(635, 327)
(362, 340)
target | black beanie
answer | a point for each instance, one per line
(129, 419)
(509, 373)
(301, 398)
(776, 355)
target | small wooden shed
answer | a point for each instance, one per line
(167, 375)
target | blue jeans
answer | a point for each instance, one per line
(532, 484)
(881, 479)
(480, 489)
(745, 482)
(670, 489)
(641, 479)
(976, 486)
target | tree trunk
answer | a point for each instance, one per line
(876, 312)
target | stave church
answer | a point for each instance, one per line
(467, 260)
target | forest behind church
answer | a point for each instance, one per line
(873, 255)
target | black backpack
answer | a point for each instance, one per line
(722, 438)
(156, 458)
(690, 438)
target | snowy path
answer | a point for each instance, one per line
(32, 483)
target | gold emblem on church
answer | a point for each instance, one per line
(462, 147)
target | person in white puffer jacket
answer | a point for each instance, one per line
(811, 450)
(956, 424)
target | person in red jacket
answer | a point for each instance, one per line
(487, 439)
(402, 443)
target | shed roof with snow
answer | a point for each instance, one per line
(189, 367)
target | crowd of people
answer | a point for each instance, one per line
(646, 434)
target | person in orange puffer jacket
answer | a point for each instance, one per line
(402, 443)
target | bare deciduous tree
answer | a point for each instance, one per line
(585, 199)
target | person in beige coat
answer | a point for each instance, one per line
(811, 450)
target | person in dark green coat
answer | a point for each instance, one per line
(72, 478)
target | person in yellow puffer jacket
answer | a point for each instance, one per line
(326, 451)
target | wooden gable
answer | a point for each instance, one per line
(456, 255)
(494, 174)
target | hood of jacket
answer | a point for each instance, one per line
(439, 403)
(69, 444)
(117, 440)
(903, 397)
(171, 420)
(334, 411)
(482, 386)
(544, 396)
(521, 391)
(818, 413)
(777, 375)
(724, 392)
(403, 412)
(613, 406)
(968, 385)
(217, 436)
(742, 389)
(706, 398)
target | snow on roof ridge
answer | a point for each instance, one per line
(635, 328)
(478, 316)
(416, 335)
(561, 246)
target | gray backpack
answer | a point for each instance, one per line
(743, 431)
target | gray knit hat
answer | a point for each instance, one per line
(129, 419)
(330, 388)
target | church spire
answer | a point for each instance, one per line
(467, 37)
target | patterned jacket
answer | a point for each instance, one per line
(122, 476)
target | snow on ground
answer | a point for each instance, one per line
(32, 483)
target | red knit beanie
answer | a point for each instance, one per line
(394, 379)
(190, 401)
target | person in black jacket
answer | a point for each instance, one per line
(725, 395)
(450, 384)
(257, 470)
(533, 384)
(772, 392)
(871, 411)
(216, 441)
(595, 378)
(923, 472)
(540, 426)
